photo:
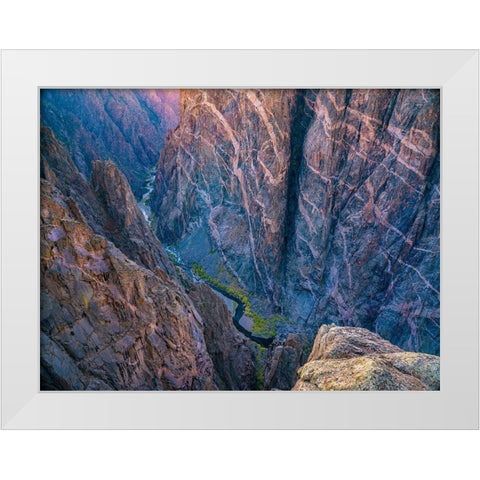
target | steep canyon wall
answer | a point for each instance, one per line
(326, 203)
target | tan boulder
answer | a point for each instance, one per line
(352, 358)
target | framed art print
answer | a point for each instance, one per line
(240, 239)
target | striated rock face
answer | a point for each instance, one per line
(126, 126)
(366, 238)
(221, 187)
(324, 203)
(310, 207)
(57, 167)
(351, 358)
(106, 322)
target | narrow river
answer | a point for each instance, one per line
(239, 311)
(144, 202)
(239, 306)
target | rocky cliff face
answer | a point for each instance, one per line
(106, 203)
(222, 183)
(308, 207)
(127, 227)
(365, 249)
(106, 322)
(284, 358)
(125, 126)
(351, 358)
(324, 204)
(120, 318)
(57, 167)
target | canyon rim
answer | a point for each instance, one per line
(222, 239)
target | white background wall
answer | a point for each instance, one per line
(245, 24)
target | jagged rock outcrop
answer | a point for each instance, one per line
(57, 167)
(352, 358)
(106, 322)
(282, 363)
(325, 203)
(127, 228)
(125, 126)
(106, 204)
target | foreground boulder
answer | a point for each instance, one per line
(352, 358)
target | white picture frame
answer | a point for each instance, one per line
(24, 72)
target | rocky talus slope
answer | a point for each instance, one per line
(323, 204)
(119, 318)
(125, 126)
(352, 358)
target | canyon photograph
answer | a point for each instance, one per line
(239, 239)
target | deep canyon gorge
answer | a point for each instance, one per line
(240, 239)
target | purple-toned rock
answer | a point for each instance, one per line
(221, 187)
(107, 322)
(112, 322)
(365, 248)
(322, 204)
(127, 228)
(233, 355)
